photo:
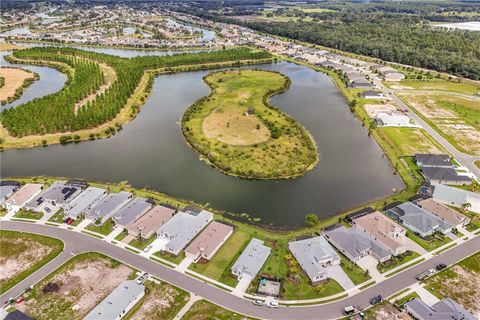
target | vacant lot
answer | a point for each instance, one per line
(204, 310)
(14, 79)
(23, 253)
(161, 301)
(74, 289)
(459, 87)
(385, 311)
(460, 282)
(409, 141)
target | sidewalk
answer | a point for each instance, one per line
(193, 298)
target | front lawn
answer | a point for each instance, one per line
(396, 261)
(141, 244)
(430, 243)
(400, 302)
(104, 229)
(170, 257)
(28, 214)
(202, 310)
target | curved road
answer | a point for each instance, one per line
(76, 242)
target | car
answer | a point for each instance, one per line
(272, 304)
(376, 299)
(425, 274)
(147, 248)
(19, 300)
(349, 310)
(441, 266)
(70, 221)
(258, 302)
(66, 219)
(143, 278)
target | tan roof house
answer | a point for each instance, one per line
(145, 226)
(383, 230)
(209, 241)
(444, 212)
(22, 196)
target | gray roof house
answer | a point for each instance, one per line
(314, 255)
(83, 201)
(456, 197)
(56, 196)
(355, 244)
(118, 302)
(446, 309)
(419, 220)
(371, 95)
(444, 175)
(131, 211)
(433, 160)
(182, 228)
(251, 260)
(107, 206)
(6, 192)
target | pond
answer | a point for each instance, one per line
(151, 152)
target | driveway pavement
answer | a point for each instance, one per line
(336, 273)
(370, 263)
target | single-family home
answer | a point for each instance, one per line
(356, 244)
(370, 94)
(433, 160)
(7, 188)
(392, 119)
(182, 228)
(207, 243)
(384, 230)
(26, 193)
(419, 220)
(83, 201)
(445, 309)
(118, 302)
(456, 197)
(107, 206)
(453, 217)
(393, 76)
(313, 255)
(131, 211)
(361, 84)
(444, 176)
(145, 226)
(251, 260)
(17, 315)
(54, 198)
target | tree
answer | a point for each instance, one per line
(312, 220)
(464, 207)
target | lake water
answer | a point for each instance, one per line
(151, 152)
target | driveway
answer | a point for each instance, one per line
(336, 273)
(242, 286)
(413, 246)
(370, 263)
(157, 245)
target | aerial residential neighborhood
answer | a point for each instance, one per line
(198, 160)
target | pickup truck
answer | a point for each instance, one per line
(425, 274)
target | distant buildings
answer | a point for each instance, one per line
(445, 309)
(251, 260)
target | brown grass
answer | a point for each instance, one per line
(14, 79)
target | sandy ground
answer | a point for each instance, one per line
(30, 252)
(373, 109)
(14, 79)
(389, 312)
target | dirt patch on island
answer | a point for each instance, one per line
(14, 79)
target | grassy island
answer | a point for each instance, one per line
(238, 131)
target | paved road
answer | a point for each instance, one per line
(76, 242)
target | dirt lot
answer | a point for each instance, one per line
(76, 288)
(386, 312)
(14, 79)
(162, 301)
(374, 109)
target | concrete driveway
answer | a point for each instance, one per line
(370, 263)
(336, 273)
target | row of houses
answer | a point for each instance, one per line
(438, 168)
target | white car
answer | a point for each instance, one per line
(272, 304)
(143, 278)
(147, 248)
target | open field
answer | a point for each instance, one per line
(385, 311)
(439, 85)
(75, 288)
(236, 130)
(460, 282)
(409, 141)
(7, 46)
(23, 253)
(457, 118)
(204, 310)
(15, 81)
(161, 301)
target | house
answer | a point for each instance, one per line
(433, 160)
(54, 198)
(107, 206)
(145, 226)
(7, 188)
(419, 220)
(131, 211)
(26, 193)
(369, 94)
(444, 212)
(456, 197)
(392, 119)
(393, 76)
(17, 315)
(444, 176)
(118, 302)
(313, 255)
(445, 309)
(251, 260)
(83, 201)
(209, 241)
(383, 230)
(182, 228)
(361, 84)
(356, 244)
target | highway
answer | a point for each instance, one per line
(76, 243)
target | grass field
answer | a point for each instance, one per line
(441, 85)
(21, 254)
(204, 310)
(410, 141)
(236, 130)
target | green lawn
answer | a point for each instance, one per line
(104, 229)
(396, 261)
(433, 242)
(202, 310)
(12, 247)
(354, 272)
(441, 85)
(171, 257)
(400, 302)
(28, 214)
(298, 287)
(122, 235)
(57, 217)
(140, 244)
(410, 141)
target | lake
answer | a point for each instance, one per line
(151, 152)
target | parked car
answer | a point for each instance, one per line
(70, 221)
(147, 248)
(376, 299)
(66, 219)
(441, 266)
(143, 278)
(349, 310)
(19, 300)
(425, 274)
(272, 304)
(258, 302)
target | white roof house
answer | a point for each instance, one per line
(107, 206)
(83, 201)
(22, 196)
(251, 260)
(118, 302)
(393, 119)
(182, 228)
(314, 255)
(456, 197)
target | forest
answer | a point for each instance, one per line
(56, 112)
